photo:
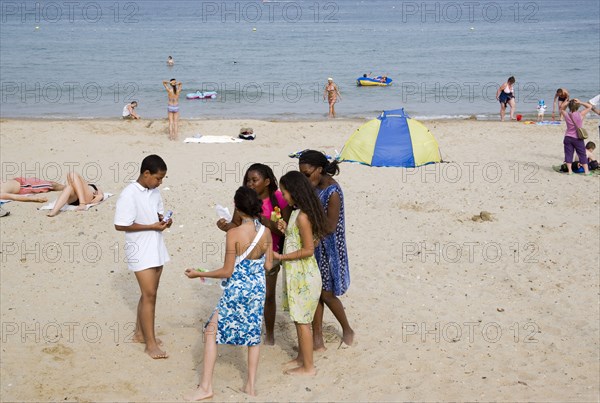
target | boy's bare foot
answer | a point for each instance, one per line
(249, 390)
(38, 199)
(52, 214)
(301, 371)
(200, 394)
(156, 353)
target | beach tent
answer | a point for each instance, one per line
(392, 140)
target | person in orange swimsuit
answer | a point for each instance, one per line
(331, 93)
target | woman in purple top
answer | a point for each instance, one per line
(574, 120)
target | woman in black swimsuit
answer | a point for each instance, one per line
(77, 192)
(561, 96)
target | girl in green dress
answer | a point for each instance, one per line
(301, 275)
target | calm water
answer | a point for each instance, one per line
(270, 60)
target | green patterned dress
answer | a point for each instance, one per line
(301, 278)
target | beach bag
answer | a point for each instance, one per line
(247, 133)
(582, 133)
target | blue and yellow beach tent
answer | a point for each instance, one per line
(392, 140)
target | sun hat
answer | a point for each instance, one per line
(329, 79)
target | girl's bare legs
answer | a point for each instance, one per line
(148, 280)
(317, 327)
(175, 126)
(270, 309)
(204, 390)
(335, 305)
(171, 124)
(253, 355)
(305, 352)
(502, 111)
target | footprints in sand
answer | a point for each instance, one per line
(59, 352)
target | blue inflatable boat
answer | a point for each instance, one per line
(374, 81)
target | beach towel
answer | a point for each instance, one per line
(68, 207)
(212, 139)
(297, 154)
(543, 123)
(556, 168)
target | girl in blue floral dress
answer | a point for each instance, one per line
(237, 319)
(331, 252)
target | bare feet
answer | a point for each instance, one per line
(200, 394)
(156, 353)
(348, 338)
(301, 371)
(319, 346)
(269, 340)
(81, 207)
(296, 361)
(51, 214)
(38, 199)
(249, 390)
(138, 338)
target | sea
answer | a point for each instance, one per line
(271, 59)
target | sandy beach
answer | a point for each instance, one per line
(446, 307)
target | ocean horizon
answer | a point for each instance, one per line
(271, 59)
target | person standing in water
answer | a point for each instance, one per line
(173, 88)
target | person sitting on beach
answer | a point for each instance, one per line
(170, 61)
(19, 189)
(561, 96)
(129, 111)
(591, 158)
(77, 193)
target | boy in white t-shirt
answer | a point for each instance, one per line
(139, 212)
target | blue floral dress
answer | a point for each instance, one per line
(242, 303)
(331, 252)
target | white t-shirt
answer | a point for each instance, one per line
(143, 249)
(126, 111)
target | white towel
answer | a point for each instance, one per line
(68, 207)
(212, 139)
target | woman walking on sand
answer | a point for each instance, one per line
(173, 88)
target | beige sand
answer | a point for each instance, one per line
(514, 300)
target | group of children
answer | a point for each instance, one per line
(300, 228)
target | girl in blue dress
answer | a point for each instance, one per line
(331, 252)
(237, 319)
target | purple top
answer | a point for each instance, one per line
(573, 121)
